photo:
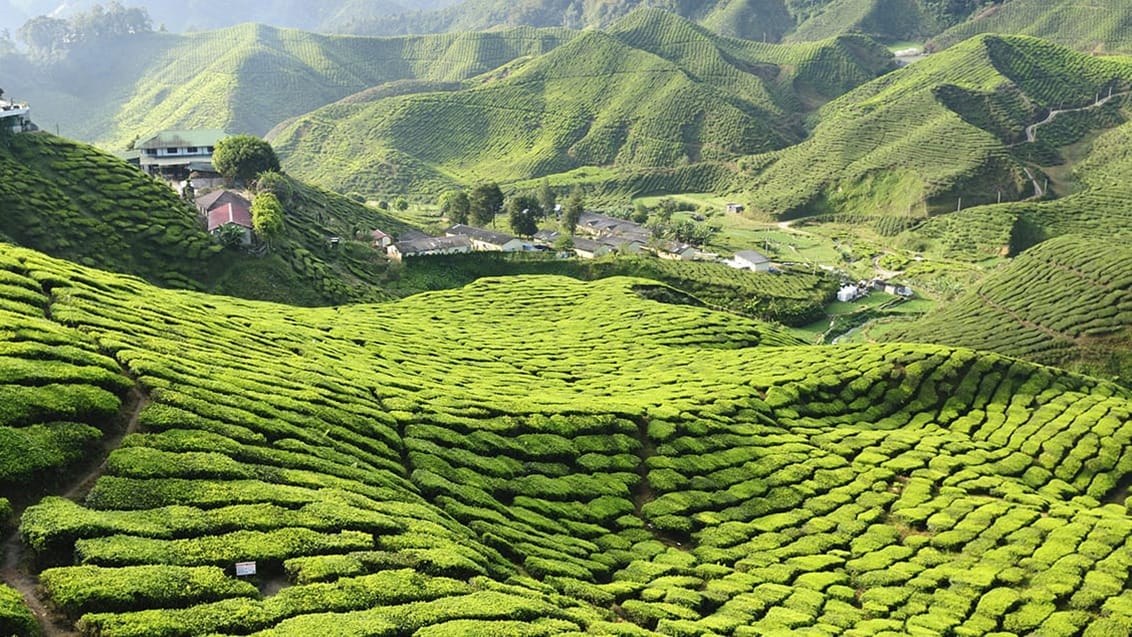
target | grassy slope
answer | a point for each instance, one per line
(538, 456)
(74, 201)
(1066, 302)
(1100, 26)
(913, 142)
(654, 91)
(246, 78)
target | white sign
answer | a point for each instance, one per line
(244, 569)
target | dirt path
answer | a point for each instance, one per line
(1032, 129)
(17, 572)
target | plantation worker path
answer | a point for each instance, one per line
(1032, 129)
(16, 571)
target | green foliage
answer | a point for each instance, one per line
(656, 102)
(484, 202)
(267, 216)
(15, 617)
(1064, 302)
(244, 157)
(584, 448)
(455, 206)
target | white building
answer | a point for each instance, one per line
(750, 260)
(15, 116)
(175, 154)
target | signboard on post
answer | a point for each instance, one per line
(245, 569)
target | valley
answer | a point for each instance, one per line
(566, 318)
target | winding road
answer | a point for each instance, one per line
(1032, 129)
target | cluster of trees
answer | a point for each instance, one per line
(524, 211)
(46, 36)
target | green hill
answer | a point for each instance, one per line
(655, 93)
(76, 202)
(1065, 302)
(948, 132)
(761, 20)
(246, 78)
(1100, 26)
(539, 456)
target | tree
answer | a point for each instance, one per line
(44, 36)
(640, 213)
(455, 205)
(267, 216)
(486, 201)
(230, 235)
(401, 204)
(522, 215)
(572, 211)
(546, 198)
(243, 157)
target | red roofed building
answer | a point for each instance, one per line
(231, 213)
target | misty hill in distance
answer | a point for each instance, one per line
(201, 15)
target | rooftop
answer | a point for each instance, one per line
(427, 244)
(750, 256)
(201, 137)
(479, 234)
(229, 213)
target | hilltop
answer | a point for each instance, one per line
(760, 20)
(541, 456)
(199, 15)
(244, 79)
(1099, 27)
(956, 126)
(653, 95)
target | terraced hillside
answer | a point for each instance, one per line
(538, 456)
(965, 127)
(1099, 26)
(655, 94)
(1066, 302)
(245, 79)
(76, 202)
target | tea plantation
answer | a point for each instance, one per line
(1065, 302)
(537, 455)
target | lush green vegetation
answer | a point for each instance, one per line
(1096, 26)
(539, 455)
(762, 20)
(943, 134)
(791, 298)
(1066, 302)
(76, 202)
(245, 79)
(652, 93)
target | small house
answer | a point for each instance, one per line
(547, 237)
(589, 249)
(735, 208)
(380, 240)
(750, 260)
(231, 214)
(848, 293)
(429, 246)
(676, 251)
(216, 198)
(487, 240)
